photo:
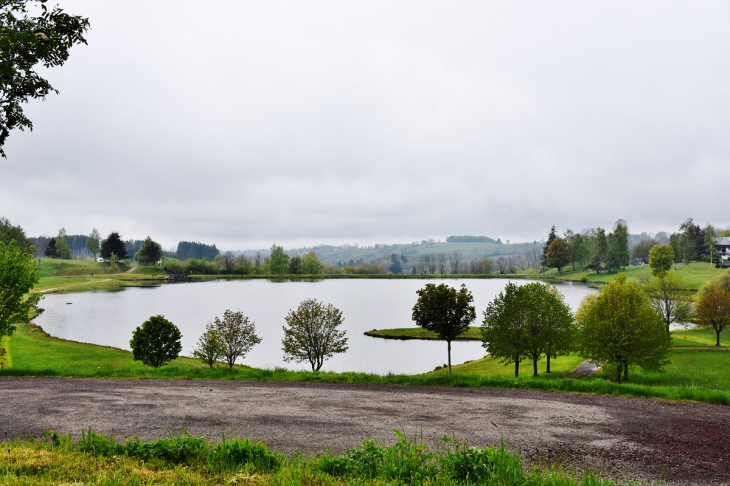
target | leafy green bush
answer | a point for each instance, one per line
(233, 453)
(156, 342)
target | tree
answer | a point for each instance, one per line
(661, 258)
(666, 291)
(600, 251)
(10, 233)
(156, 342)
(114, 244)
(311, 264)
(312, 333)
(551, 236)
(621, 328)
(295, 265)
(113, 261)
(558, 254)
(211, 347)
(227, 262)
(396, 266)
(618, 246)
(62, 250)
(27, 41)
(17, 276)
(503, 328)
(714, 311)
(709, 235)
(444, 310)
(578, 248)
(278, 261)
(455, 261)
(721, 282)
(150, 253)
(238, 334)
(51, 248)
(687, 240)
(642, 249)
(93, 243)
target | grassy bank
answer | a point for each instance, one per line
(473, 334)
(34, 353)
(184, 459)
(694, 274)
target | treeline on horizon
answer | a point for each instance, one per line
(592, 248)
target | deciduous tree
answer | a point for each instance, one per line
(93, 243)
(156, 342)
(671, 301)
(62, 250)
(661, 258)
(210, 347)
(714, 311)
(17, 277)
(278, 261)
(558, 254)
(444, 310)
(313, 333)
(238, 335)
(27, 41)
(620, 326)
(311, 264)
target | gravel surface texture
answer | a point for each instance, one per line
(683, 443)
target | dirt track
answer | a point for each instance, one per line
(687, 443)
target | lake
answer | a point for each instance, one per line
(109, 318)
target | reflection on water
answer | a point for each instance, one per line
(108, 318)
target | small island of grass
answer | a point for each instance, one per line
(473, 334)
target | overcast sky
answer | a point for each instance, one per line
(251, 123)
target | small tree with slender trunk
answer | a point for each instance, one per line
(444, 310)
(238, 335)
(313, 333)
(714, 311)
(669, 298)
(211, 347)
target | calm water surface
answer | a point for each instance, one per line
(108, 318)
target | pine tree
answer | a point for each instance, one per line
(114, 244)
(551, 238)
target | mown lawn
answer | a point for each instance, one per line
(694, 274)
(689, 368)
(699, 337)
(489, 366)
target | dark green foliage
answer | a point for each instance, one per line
(26, 42)
(114, 244)
(444, 310)
(201, 251)
(51, 248)
(527, 321)
(295, 265)
(551, 237)
(10, 233)
(232, 454)
(150, 252)
(156, 342)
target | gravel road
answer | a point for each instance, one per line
(682, 442)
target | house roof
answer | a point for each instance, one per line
(722, 240)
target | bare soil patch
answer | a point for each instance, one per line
(684, 443)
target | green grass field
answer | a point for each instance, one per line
(694, 274)
(489, 366)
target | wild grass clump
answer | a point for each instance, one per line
(185, 459)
